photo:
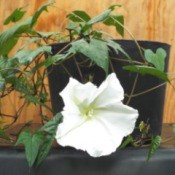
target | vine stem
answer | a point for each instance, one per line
(167, 140)
(127, 61)
(132, 36)
(148, 90)
(78, 68)
(133, 89)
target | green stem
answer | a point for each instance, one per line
(146, 91)
(133, 89)
(127, 61)
(167, 140)
(132, 36)
(78, 68)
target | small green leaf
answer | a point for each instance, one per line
(8, 38)
(147, 70)
(31, 143)
(8, 46)
(27, 56)
(127, 141)
(157, 59)
(155, 143)
(96, 50)
(36, 100)
(54, 59)
(51, 125)
(23, 86)
(142, 126)
(15, 16)
(39, 11)
(112, 7)
(8, 69)
(50, 128)
(117, 21)
(100, 17)
(71, 26)
(79, 16)
(117, 48)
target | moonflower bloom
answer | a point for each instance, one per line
(94, 118)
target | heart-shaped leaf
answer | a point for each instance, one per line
(157, 59)
(50, 128)
(31, 143)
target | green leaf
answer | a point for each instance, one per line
(155, 143)
(15, 16)
(71, 25)
(117, 21)
(23, 86)
(2, 82)
(127, 141)
(36, 100)
(8, 69)
(54, 59)
(79, 16)
(31, 143)
(51, 60)
(157, 59)
(50, 127)
(27, 56)
(112, 7)
(4, 135)
(45, 148)
(8, 38)
(8, 46)
(39, 11)
(147, 70)
(96, 50)
(100, 17)
(117, 48)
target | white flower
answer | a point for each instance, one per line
(95, 119)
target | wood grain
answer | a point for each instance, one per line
(147, 20)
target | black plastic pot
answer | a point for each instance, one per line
(149, 105)
(68, 161)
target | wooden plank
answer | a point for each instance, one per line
(147, 20)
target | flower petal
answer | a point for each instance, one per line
(109, 92)
(75, 92)
(101, 135)
(91, 136)
(118, 117)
